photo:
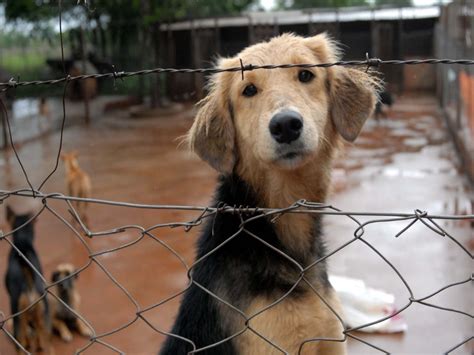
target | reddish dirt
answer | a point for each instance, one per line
(399, 164)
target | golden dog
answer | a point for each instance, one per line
(78, 182)
(272, 136)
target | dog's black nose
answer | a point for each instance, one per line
(286, 126)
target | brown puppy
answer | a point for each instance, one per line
(272, 136)
(78, 182)
(63, 320)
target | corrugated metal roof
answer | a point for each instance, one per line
(314, 16)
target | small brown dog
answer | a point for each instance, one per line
(63, 320)
(78, 182)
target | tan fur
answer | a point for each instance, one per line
(78, 182)
(33, 334)
(289, 323)
(57, 309)
(231, 133)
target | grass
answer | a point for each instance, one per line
(18, 62)
(31, 65)
(28, 65)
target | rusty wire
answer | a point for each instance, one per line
(369, 62)
(245, 213)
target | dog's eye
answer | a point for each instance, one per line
(250, 90)
(305, 76)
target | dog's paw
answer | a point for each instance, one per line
(66, 336)
(86, 332)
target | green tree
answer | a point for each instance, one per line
(125, 30)
(116, 24)
(32, 11)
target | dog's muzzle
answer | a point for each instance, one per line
(286, 126)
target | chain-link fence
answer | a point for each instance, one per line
(245, 216)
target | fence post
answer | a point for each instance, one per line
(196, 53)
(155, 97)
(276, 26)
(170, 59)
(458, 100)
(217, 34)
(84, 93)
(401, 51)
(4, 130)
(373, 34)
(251, 36)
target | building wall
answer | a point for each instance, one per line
(454, 39)
(385, 39)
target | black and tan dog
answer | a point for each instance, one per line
(272, 137)
(32, 327)
(65, 321)
(385, 99)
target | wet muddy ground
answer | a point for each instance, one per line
(400, 164)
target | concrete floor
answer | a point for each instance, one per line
(397, 165)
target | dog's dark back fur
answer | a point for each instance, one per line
(244, 265)
(20, 278)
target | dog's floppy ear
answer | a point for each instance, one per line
(353, 94)
(212, 134)
(55, 276)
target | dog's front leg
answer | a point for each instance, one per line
(42, 334)
(21, 332)
(83, 329)
(21, 328)
(62, 329)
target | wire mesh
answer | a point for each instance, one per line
(247, 215)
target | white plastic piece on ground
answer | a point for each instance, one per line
(362, 305)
